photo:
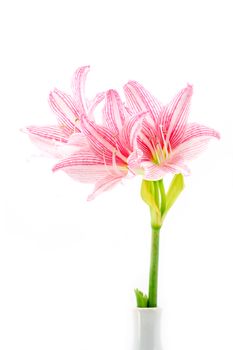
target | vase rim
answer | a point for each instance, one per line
(149, 308)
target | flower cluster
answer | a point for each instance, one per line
(137, 137)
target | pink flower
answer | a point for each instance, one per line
(105, 153)
(142, 137)
(167, 140)
(68, 110)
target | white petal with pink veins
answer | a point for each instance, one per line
(113, 111)
(103, 185)
(175, 115)
(67, 113)
(78, 85)
(140, 100)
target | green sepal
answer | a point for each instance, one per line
(175, 188)
(142, 299)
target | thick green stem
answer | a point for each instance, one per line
(154, 262)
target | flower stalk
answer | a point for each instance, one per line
(159, 201)
(154, 264)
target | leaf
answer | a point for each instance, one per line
(176, 187)
(149, 194)
(142, 299)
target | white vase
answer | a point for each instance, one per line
(147, 334)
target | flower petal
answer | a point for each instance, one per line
(78, 85)
(139, 100)
(83, 166)
(174, 117)
(94, 103)
(148, 138)
(65, 109)
(103, 185)
(193, 130)
(130, 131)
(86, 167)
(79, 140)
(76, 143)
(156, 172)
(102, 140)
(50, 132)
(134, 161)
(191, 148)
(49, 147)
(113, 111)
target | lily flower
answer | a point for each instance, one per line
(68, 110)
(167, 140)
(105, 154)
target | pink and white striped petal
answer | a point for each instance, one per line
(145, 148)
(194, 130)
(105, 184)
(156, 172)
(76, 143)
(134, 162)
(140, 100)
(83, 167)
(192, 148)
(149, 137)
(113, 111)
(102, 140)
(50, 132)
(49, 147)
(131, 130)
(79, 140)
(174, 117)
(78, 86)
(67, 113)
(93, 105)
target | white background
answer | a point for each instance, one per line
(68, 267)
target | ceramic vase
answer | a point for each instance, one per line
(147, 335)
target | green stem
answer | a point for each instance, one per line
(154, 262)
(162, 197)
(155, 192)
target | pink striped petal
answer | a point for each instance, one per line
(94, 103)
(193, 130)
(66, 111)
(156, 172)
(147, 152)
(148, 138)
(79, 140)
(191, 148)
(78, 85)
(102, 140)
(103, 185)
(83, 167)
(49, 147)
(134, 161)
(113, 111)
(76, 143)
(88, 168)
(130, 131)
(152, 171)
(174, 117)
(50, 132)
(140, 100)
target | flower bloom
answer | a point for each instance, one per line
(139, 137)
(68, 110)
(167, 140)
(104, 153)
